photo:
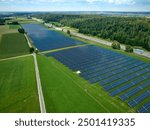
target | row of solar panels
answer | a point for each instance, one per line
(117, 73)
(138, 99)
(145, 108)
(45, 39)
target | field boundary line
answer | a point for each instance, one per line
(28, 40)
(16, 57)
(39, 86)
(60, 49)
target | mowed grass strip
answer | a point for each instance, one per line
(14, 26)
(65, 91)
(18, 89)
(13, 44)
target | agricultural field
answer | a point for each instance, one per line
(18, 89)
(13, 44)
(65, 91)
(21, 20)
(14, 26)
(4, 29)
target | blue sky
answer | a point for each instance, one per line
(74, 5)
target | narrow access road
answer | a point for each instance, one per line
(28, 40)
(60, 49)
(39, 86)
(16, 57)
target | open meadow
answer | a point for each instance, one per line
(18, 88)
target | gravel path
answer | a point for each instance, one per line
(40, 93)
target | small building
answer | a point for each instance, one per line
(49, 25)
(29, 17)
(138, 51)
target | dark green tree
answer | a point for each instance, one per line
(21, 30)
(32, 50)
(129, 48)
(116, 45)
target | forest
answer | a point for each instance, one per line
(2, 21)
(134, 31)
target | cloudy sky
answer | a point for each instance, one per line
(74, 5)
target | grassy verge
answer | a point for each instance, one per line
(65, 91)
(18, 89)
(13, 44)
(14, 26)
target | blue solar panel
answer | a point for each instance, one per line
(125, 79)
(145, 108)
(138, 99)
(128, 85)
(133, 91)
(45, 39)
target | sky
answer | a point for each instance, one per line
(74, 5)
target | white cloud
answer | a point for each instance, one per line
(128, 2)
(114, 1)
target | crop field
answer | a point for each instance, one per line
(65, 91)
(4, 29)
(18, 89)
(14, 26)
(13, 44)
(118, 74)
(45, 39)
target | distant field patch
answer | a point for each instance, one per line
(5, 29)
(14, 26)
(13, 44)
(18, 89)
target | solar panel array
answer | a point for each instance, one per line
(118, 74)
(145, 108)
(45, 39)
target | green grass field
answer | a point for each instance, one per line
(4, 29)
(65, 91)
(18, 89)
(13, 44)
(14, 26)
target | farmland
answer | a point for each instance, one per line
(18, 91)
(13, 44)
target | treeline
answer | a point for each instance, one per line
(132, 31)
(2, 21)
